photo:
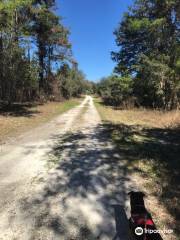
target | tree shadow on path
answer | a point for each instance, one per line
(81, 196)
(154, 153)
(18, 109)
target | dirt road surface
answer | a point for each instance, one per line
(64, 180)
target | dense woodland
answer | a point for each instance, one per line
(147, 71)
(36, 61)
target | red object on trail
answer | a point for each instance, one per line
(141, 224)
(142, 220)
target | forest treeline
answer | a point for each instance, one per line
(147, 71)
(36, 61)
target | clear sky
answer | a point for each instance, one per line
(91, 23)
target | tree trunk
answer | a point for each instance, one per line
(41, 54)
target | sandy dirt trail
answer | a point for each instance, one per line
(64, 180)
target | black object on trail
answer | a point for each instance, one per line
(121, 221)
(141, 223)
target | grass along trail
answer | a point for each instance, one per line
(65, 181)
(69, 179)
(20, 118)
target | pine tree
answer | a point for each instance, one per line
(149, 43)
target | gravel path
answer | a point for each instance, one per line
(64, 180)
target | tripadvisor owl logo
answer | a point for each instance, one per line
(139, 231)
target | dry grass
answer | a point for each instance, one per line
(149, 141)
(16, 120)
(149, 118)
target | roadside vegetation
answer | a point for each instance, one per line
(36, 66)
(147, 71)
(36, 61)
(149, 143)
(23, 117)
(139, 103)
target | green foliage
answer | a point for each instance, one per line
(19, 77)
(33, 43)
(149, 42)
(51, 37)
(115, 90)
(71, 81)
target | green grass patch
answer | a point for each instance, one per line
(67, 105)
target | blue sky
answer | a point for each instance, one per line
(91, 23)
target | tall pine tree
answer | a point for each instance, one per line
(149, 42)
